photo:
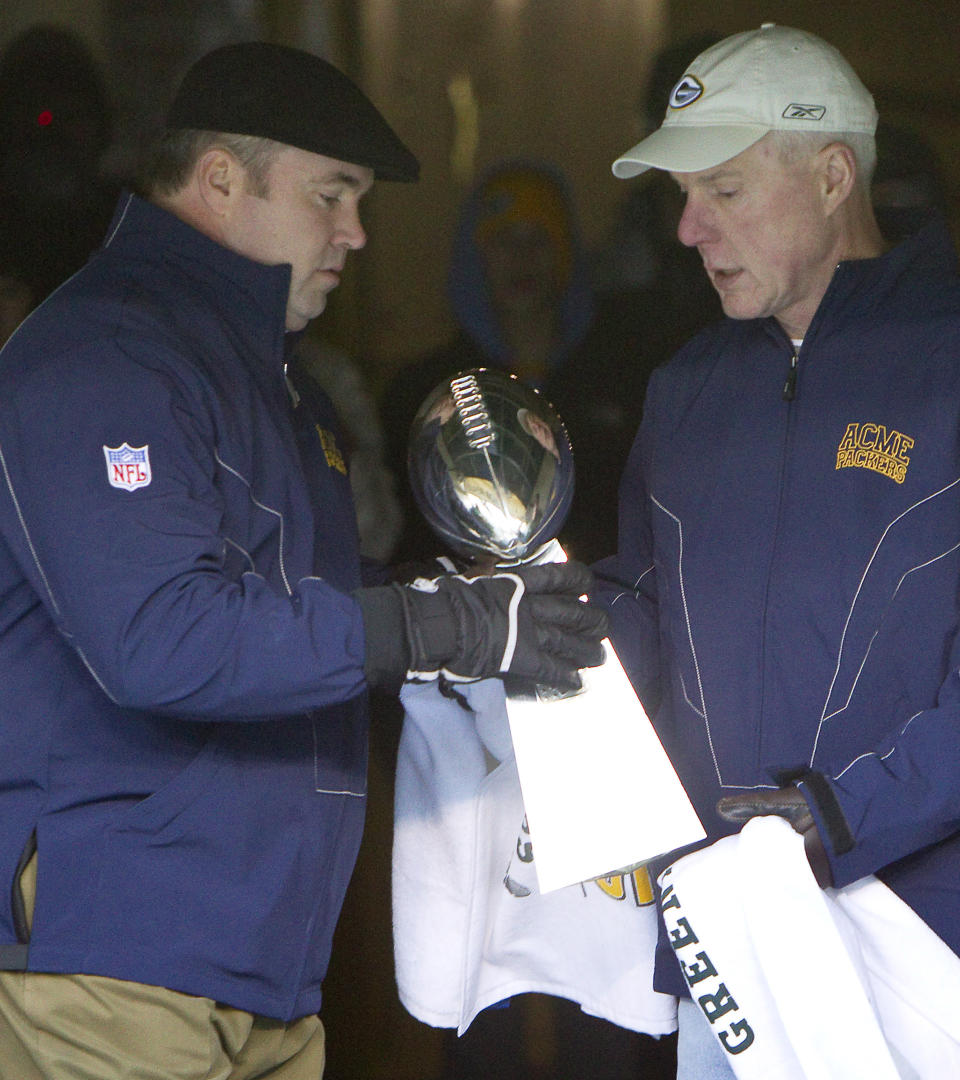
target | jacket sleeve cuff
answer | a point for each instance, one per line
(386, 654)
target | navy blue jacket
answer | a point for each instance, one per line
(183, 717)
(786, 595)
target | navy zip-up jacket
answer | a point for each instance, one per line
(786, 596)
(183, 718)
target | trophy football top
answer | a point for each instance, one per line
(491, 465)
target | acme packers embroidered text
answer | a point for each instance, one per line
(871, 446)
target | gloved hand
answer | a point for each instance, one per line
(789, 803)
(784, 802)
(527, 622)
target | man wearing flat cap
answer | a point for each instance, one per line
(787, 584)
(186, 635)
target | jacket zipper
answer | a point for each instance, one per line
(788, 394)
(291, 389)
(790, 386)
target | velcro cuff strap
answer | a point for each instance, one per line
(817, 789)
(430, 627)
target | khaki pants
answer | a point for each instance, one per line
(87, 1027)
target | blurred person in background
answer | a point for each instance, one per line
(649, 290)
(908, 190)
(56, 124)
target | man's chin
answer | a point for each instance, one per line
(735, 307)
(298, 318)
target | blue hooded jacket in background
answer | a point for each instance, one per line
(467, 287)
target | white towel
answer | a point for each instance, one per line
(470, 927)
(800, 982)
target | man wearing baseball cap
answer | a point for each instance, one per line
(186, 638)
(786, 584)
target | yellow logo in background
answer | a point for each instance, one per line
(871, 446)
(330, 450)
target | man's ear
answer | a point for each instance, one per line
(220, 178)
(838, 173)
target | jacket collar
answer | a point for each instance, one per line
(251, 296)
(862, 286)
(928, 252)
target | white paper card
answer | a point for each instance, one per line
(599, 791)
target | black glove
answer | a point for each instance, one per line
(787, 803)
(528, 622)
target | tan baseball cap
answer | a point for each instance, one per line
(772, 79)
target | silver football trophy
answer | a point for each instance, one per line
(491, 468)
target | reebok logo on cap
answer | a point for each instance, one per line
(804, 112)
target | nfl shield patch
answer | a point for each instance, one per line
(128, 467)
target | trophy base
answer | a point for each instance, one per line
(598, 787)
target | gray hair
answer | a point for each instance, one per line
(175, 153)
(794, 145)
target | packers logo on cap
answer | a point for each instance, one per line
(686, 92)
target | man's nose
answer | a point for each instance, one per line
(693, 227)
(351, 232)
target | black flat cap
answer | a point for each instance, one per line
(293, 97)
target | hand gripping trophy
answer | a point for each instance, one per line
(491, 468)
